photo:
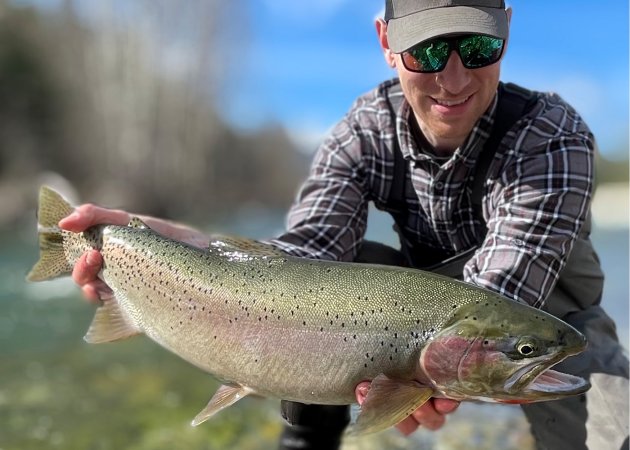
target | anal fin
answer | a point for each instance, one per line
(387, 403)
(225, 396)
(110, 323)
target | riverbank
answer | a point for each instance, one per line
(611, 206)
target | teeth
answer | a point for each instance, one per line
(451, 103)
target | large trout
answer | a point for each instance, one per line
(305, 330)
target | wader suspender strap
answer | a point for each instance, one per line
(513, 103)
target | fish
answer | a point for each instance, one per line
(267, 323)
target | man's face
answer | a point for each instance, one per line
(447, 104)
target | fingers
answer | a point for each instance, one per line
(97, 291)
(431, 415)
(408, 426)
(425, 416)
(86, 270)
(85, 274)
(87, 215)
(87, 267)
(361, 391)
(445, 405)
(428, 417)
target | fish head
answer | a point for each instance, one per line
(502, 351)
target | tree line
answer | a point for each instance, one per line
(120, 102)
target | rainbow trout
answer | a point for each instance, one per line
(305, 330)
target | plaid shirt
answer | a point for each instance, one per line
(535, 201)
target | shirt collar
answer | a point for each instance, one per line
(467, 153)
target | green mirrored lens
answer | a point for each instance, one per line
(431, 55)
(475, 51)
(479, 51)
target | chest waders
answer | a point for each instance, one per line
(575, 296)
(581, 281)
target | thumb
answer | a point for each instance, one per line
(361, 391)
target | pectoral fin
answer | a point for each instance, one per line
(110, 323)
(387, 403)
(224, 397)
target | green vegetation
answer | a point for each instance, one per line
(609, 171)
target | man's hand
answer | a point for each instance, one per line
(87, 268)
(431, 415)
(85, 272)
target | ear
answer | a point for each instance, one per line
(508, 11)
(381, 31)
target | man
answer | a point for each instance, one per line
(486, 182)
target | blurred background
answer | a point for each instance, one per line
(208, 112)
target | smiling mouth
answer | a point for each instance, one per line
(451, 103)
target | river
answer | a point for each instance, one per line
(57, 392)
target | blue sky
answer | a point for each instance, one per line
(305, 65)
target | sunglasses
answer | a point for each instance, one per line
(475, 51)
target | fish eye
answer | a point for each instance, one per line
(526, 348)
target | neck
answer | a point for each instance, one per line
(439, 147)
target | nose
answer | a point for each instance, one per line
(572, 339)
(455, 77)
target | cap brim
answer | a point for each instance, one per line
(405, 32)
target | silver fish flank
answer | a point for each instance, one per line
(305, 330)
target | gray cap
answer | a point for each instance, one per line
(410, 22)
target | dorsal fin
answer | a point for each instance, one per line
(250, 247)
(136, 222)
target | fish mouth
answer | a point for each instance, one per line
(553, 383)
(537, 381)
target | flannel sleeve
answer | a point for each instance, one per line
(329, 216)
(538, 204)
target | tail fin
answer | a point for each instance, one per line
(52, 259)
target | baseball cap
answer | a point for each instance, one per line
(410, 22)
